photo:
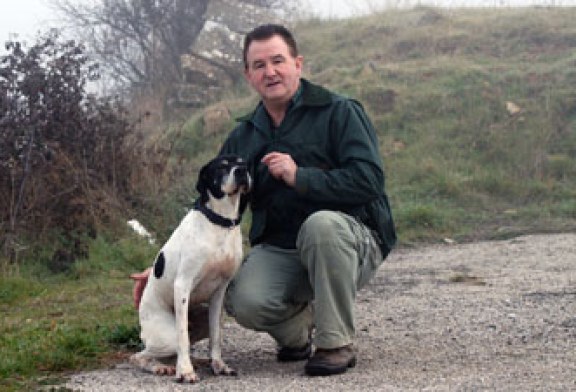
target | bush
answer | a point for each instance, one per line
(62, 156)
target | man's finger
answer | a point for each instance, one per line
(270, 157)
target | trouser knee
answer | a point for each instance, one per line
(320, 227)
(326, 233)
(246, 307)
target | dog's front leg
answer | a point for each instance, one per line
(214, 320)
(184, 369)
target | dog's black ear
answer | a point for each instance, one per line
(203, 183)
(159, 265)
(243, 204)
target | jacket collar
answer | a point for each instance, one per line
(309, 94)
(314, 95)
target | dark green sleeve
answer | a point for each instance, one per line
(358, 177)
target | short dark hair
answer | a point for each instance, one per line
(265, 32)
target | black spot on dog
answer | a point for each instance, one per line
(159, 265)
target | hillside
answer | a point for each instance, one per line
(475, 110)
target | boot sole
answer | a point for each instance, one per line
(327, 370)
(294, 356)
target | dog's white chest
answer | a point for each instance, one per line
(200, 256)
(214, 274)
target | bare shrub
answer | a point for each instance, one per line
(63, 160)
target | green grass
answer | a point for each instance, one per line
(69, 324)
(458, 164)
(52, 324)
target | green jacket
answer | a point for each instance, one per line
(334, 145)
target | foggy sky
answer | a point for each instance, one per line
(27, 17)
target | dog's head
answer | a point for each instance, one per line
(226, 175)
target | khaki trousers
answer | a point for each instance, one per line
(285, 292)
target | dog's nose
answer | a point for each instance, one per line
(240, 172)
(241, 176)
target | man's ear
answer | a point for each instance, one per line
(299, 60)
(247, 75)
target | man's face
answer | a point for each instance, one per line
(272, 71)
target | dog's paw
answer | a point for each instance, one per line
(220, 368)
(164, 370)
(187, 378)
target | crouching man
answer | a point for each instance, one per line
(321, 222)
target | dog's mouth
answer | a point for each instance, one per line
(234, 192)
(243, 187)
(238, 181)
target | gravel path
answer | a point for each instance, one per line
(498, 316)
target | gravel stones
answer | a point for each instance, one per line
(495, 315)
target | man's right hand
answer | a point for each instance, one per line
(281, 166)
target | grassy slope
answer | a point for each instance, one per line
(436, 84)
(458, 164)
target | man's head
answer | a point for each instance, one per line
(272, 65)
(265, 32)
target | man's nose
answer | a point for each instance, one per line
(270, 70)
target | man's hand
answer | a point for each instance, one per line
(281, 166)
(140, 280)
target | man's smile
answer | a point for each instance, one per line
(273, 83)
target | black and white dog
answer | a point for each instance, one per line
(195, 267)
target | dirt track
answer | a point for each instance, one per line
(484, 316)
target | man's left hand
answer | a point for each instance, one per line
(281, 166)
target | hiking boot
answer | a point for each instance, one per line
(292, 354)
(326, 362)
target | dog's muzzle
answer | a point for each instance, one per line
(242, 179)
